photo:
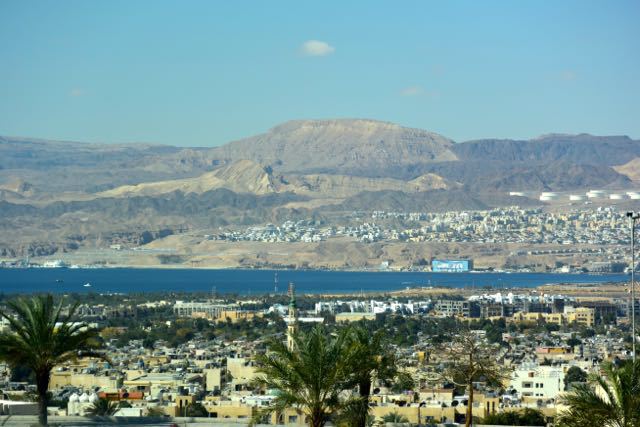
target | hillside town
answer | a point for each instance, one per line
(592, 240)
(601, 226)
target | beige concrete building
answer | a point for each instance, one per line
(354, 317)
(61, 379)
(242, 370)
(582, 316)
(213, 378)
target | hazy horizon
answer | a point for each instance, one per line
(132, 142)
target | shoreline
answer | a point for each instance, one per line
(337, 270)
(311, 281)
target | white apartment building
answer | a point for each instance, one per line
(545, 382)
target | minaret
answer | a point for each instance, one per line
(292, 323)
(275, 283)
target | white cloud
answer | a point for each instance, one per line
(412, 91)
(317, 48)
(75, 92)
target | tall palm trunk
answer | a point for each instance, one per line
(42, 382)
(317, 418)
(364, 388)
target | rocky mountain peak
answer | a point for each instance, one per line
(341, 145)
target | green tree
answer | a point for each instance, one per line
(155, 412)
(609, 400)
(526, 417)
(402, 382)
(21, 373)
(308, 378)
(103, 408)
(574, 375)
(196, 410)
(368, 358)
(395, 417)
(532, 417)
(41, 337)
(573, 341)
(148, 342)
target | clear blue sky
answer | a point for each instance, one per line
(206, 72)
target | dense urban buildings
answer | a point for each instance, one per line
(194, 356)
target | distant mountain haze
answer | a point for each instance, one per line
(583, 148)
(63, 195)
(346, 147)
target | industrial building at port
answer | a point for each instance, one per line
(451, 265)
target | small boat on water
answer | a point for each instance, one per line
(59, 281)
(87, 285)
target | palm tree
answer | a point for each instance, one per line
(308, 378)
(40, 338)
(368, 358)
(103, 408)
(612, 400)
(394, 417)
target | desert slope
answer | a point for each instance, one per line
(246, 176)
(631, 169)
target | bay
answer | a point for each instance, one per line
(250, 282)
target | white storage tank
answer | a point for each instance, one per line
(548, 196)
(616, 196)
(596, 194)
(633, 195)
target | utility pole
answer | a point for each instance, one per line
(632, 224)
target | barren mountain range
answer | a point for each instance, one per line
(66, 195)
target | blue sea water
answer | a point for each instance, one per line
(129, 280)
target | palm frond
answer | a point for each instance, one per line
(308, 379)
(610, 400)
